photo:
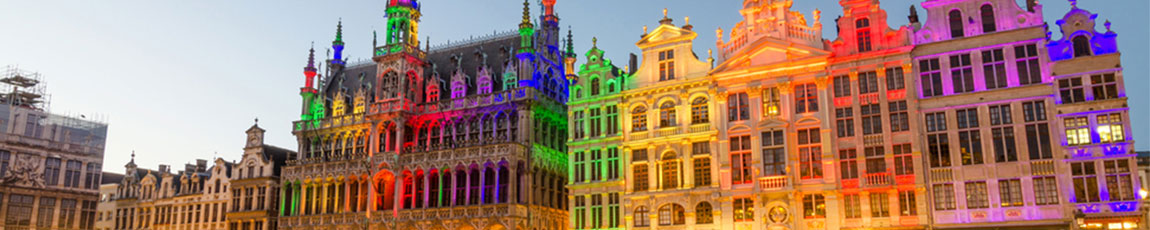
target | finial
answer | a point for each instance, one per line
(526, 12)
(719, 33)
(257, 121)
(664, 12)
(818, 14)
(339, 30)
(133, 156)
(709, 51)
(311, 57)
(644, 29)
(595, 42)
(1073, 3)
(1107, 24)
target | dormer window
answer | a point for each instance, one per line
(862, 28)
(1081, 46)
(666, 65)
(988, 24)
(595, 87)
(955, 18)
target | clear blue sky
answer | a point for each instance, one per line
(181, 80)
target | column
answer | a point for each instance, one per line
(482, 183)
(513, 185)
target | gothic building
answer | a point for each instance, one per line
(464, 136)
(225, 195)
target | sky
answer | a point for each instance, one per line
(182, 80)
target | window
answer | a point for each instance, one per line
(639, 119)
(966, 118)
(879, 205)
(1034, 111)
(672, 214)
(5, 160)
(875, 159)
(956, 22)
(1071, 90)
(51, 171)
(936, 121)
(970, 147)
(577, 117)
(810, 154)
(1026, 58)
(849, 163)
(842, 86)
(594, 86)
(580, 211)
(771, 102)
(844, 122)
(46, 214)
(806, 98)
(994, 68)
(612, 163)
(596, 122)
(899, 120)
(774, 156)
(1000, 115)
(596, 165)
(988, 25)
(91, 178)
(613, 214)
(868, 82)
(1104, 86)
(1077, 131)
(903, 161)
(642, 219)
(939, 147)
(1038, 140)
(667, 114)
(961, 73)
(1118, 181)
(67, 213)
(931, 77)
(638, 155)
(703, 213)
(741, 159)
(579, 168)
(871, 119)
(612, 119)
(19, 211)
(670, 168)
(1005, 149)
(737, 107)
(907, 203)
(700, 148)
(1081, 46)
(666, 65)
(814, 206)
(1110, 128)
(72, 174)
(852, 208)
(610, 87)
(862, 30)
(699, 111)
(1085, 182)
(744, 209)
(895, 79)
(596, 210)
(976, 196)
(1010, 192)
(702, 174)
(1045, 190)
(641, 181)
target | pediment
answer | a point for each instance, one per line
(767, 51)
(666, 34)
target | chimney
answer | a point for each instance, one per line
(633, 63)
(202, 165)
(164, 169)
(1030, 4)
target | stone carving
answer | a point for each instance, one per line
(25, 172)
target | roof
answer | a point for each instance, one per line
(111, 178)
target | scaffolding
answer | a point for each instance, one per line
(22, 88)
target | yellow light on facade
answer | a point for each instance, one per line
(1142, 193)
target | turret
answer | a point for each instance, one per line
(403, 23)
(337, 45)
(526, 31)
(569, 57)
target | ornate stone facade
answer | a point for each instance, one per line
(465, 136)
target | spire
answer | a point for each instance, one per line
(310, 59)
(570, 43)
(339, 31)
(526, 15)
(337, 45)
(132, 163)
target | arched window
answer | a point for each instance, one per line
(594, 86)
(670, 167)
(641, 217)
(699, 111)
(671, 214)
(610, 87)
(639, 119)
(988, 23)
(578, 93)
(955, 18)
(862, 30)
(1081, 46)
(667, 114)
(703, 213)
(460, 187)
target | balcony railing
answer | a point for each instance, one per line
(1042, 167)
(771, 183)
(941, 174)
(639, 135)
(879, 178)
(669, 131)
(698, 128)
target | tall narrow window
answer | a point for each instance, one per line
(578, 125)
(844, 122)
(51, 171)
(639, 119)
(579, 168)
(666, 65)
(670, 167)
(1118, 180)
(899, 119)
(907, 203)
(1081, 46)
(810, 154)
(667, 114)
(903, 160)
(738, 108)
(596, 172)
(774, 154)
(871, 119)
(879, 204)
(740, 159)
(596, 123)
(612, 119)
(612, 163)
(580, 212)
(994, 68)
(849, 166)
(1085, 182)
(595, 87)
(988, 23)
(613, 214)
(956, 22)
(1037, 131)
(806, 98)
(931, 78)
(852, 207)
(862, 29)
(699, 113)
(702, 166)
(640, 177)
(1026, 58)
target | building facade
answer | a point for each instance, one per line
(1091, 109)
(595, 153)
(50, 164)
(465, 136)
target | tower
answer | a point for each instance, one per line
(403, 22)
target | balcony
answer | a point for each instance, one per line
(701, 127)
(668, 131)
(773, 183)
(639, 135)
(876, 179)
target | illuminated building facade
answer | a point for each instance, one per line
(595, 153)
(1091, 105)
(465, 136)
(667, 109)
(875, 149)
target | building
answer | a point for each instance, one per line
(669, 143)
(874, 146)
(465, 136)
(1090, 104)
(105, 209)
(225, 195)
(983, 92)
(595, 155)
(50, 164)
